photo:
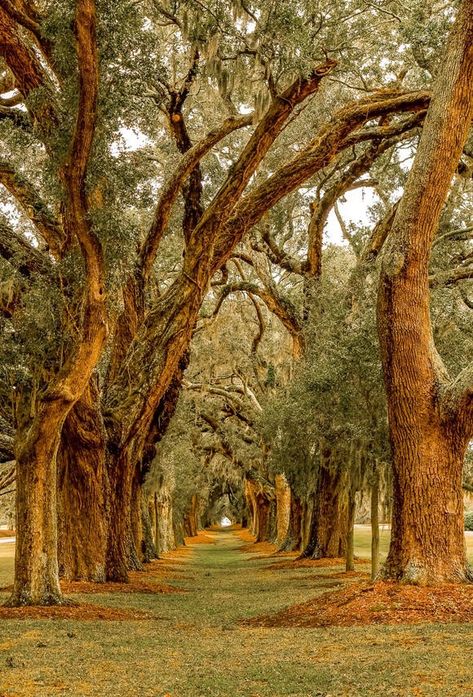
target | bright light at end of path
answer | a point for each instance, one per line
(225, 522)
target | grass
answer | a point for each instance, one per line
(193, 646)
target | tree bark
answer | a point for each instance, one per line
(36, 564)
(375, 524)
(165, 539)
(191, 523)
(350, 543)
(328, 526)
(430, 417)
(135, 535)
(148, 544)
(283, 508)
(293, 540)
(263, 506)
(82, 491)
(118, 542)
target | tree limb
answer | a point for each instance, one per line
(171, 188)
(34, 207)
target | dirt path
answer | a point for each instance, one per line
(194, 645)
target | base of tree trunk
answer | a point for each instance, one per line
(416, 573)
(24, 599)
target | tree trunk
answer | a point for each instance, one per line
(191, 522)
(252, 507)
(293, 541)
(178, 532)
(82, 491)
(165, 539)
(273, 520)
(350, 544)
(263, 506)
(283, 510)
(375, 524)
(118, 540)
(136, 531)
(36, 564)
(148, 544)
(328, 526)
(430, 416)
(427, 535)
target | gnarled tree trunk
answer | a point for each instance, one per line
(328, 527)
(36, 565)
(82, 491)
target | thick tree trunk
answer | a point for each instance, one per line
(430, 416)
(273, 521)
(178, 532)
(36, 564)
(252, 507)
(82, 492)
(118, 540)
(293, 541)
(427, 535)
(263, 516)
(306, 527)
(191, 520)
(328, 526)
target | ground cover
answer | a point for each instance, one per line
(192, 644)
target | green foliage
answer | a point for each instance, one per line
(468, 520)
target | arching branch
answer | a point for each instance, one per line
(329, 141)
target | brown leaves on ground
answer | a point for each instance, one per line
(245, 535)
(253, 547)
(140, 582)
(201, 539)
(298, 563)
(72, 612)
(381, 603)
(263, 548)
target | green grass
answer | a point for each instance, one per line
(193, 647)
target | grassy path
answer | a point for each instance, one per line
(194, 647)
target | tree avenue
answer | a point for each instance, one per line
(193, 324)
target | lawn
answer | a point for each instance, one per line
(194, 646)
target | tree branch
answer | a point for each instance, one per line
(28, 71)
(280, 307)
(34, 207)
(24, 258)
(82, 361)
(171, 188)
(330, 140)
(29, 18)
